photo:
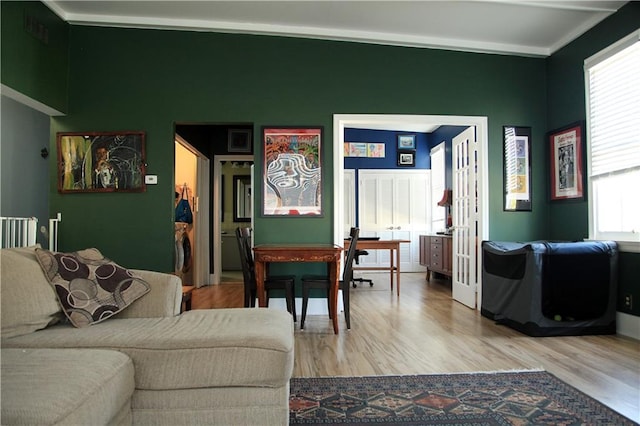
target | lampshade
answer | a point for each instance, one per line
(447, 197)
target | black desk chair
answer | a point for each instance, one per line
(322, 282)
(273, 282)
(357, 280)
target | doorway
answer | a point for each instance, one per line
(191, 241)
(395, 122)
(230, 171)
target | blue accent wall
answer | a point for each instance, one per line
(390, 140)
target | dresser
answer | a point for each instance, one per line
(436, 254)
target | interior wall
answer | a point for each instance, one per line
(155, 90)
(185, 176)
(24, 174)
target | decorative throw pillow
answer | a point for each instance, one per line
(90, 287)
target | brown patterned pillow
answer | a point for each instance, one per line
(90, 287)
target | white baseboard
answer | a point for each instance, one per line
(628, 325)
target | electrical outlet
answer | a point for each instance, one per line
(628, 301)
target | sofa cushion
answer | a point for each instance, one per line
(198, 349)
(65, 386)
(90, 287)
(28, 301)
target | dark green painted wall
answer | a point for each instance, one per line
(123, 79)
(565, 70)
(30, 66)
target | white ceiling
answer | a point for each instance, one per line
(530, 28)
(511, 27)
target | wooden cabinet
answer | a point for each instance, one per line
(436, 254)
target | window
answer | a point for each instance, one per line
(438, 220)
(612, 79)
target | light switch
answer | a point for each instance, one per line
(151, 179)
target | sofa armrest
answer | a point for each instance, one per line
(164, 299)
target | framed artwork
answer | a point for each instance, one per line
(517, 168)
(239, 140)
(357, 149)
(292, 171)
(406, 141)
(566, 160)
(101, 162)
(406, 158)
(375, 150)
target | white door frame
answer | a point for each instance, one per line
(217, 234)
(397, 122)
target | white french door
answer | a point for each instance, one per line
(465, 217)
(394, 204)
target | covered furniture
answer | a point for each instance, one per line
(551, 288)
(145, 365)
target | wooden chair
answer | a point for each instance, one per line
(279, 282)
(322, 282)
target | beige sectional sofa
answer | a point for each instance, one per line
(146, 365)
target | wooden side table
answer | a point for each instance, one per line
(186, 297)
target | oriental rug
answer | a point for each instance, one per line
(503, 398)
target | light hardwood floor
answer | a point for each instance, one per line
(424, 331)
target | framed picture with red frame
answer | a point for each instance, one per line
(567, 163)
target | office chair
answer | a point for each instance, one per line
(272, 282)
(357, 280)
(322, 282)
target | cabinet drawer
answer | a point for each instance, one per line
(436, 261)
(436, 240)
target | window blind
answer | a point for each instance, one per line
(614, 111)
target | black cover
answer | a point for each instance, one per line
(551, 288)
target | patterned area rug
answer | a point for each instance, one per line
(509, 398)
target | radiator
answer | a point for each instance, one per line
(18, 231)
(23, 231)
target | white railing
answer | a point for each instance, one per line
(18, 231)
(53, 232)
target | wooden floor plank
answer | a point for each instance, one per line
(424, 331)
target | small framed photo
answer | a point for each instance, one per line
(406, 158)
(406, 141)
(566, 149)
(239, 140)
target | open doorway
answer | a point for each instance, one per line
(192, 229)
(232, 180)
(400, 122)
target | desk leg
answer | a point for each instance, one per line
(259, 272)
(391, 267)
(334, 271)
(398, 269)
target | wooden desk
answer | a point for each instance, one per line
(391, 245)
(328, 253)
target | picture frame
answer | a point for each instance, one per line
(517, 168)
(567, 163)
(407, 158)
(101, 161)
(239, 140)
(292, 171)
(406, 141)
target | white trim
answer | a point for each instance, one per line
(30, 102)
(609, 51)
(628, 325)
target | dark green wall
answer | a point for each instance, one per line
(30, 66)
(565, 70)
(124, 79)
